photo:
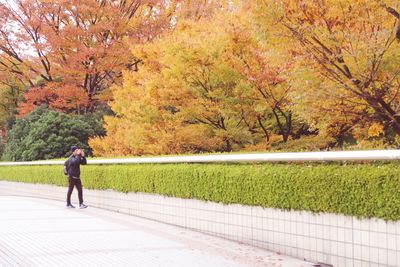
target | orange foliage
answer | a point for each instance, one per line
(80, 42)
(57, 96)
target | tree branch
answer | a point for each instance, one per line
(392, 11)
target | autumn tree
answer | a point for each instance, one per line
(180, 100)
(352, 45)
(76, 46)
(335, 116)
(209, 86)
(267, 73)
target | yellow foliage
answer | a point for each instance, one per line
(346, 61)
(189, 95)
(265, 70)
(375, 130)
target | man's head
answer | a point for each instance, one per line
(74, 150)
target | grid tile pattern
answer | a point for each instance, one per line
(324, 238)
(37, 232)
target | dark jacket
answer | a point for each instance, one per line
(72, 167)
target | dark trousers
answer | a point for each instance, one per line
(71, 183)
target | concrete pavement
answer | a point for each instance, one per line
(38, 232)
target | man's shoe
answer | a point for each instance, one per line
(82, 206)
(70, 206)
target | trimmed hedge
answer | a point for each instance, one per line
(362, 190)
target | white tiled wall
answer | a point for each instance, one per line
(325, 238)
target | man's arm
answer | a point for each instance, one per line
(83, 160)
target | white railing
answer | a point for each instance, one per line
(260, 157)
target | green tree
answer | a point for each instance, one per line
(46, 134)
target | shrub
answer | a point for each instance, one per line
(362, 190)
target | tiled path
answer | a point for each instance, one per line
(36, 232)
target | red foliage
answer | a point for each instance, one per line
(81, 42)
(58, 96)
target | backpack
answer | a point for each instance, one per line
(66, 167)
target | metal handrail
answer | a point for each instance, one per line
(367, 155)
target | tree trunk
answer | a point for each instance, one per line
(263, 128)
(286, 129)
(385, 112)
(228, 145)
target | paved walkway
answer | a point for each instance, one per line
(35, 232)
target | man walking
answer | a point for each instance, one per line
(72, 168)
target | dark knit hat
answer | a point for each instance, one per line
(73, 148)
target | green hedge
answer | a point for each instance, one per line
(362, 190)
